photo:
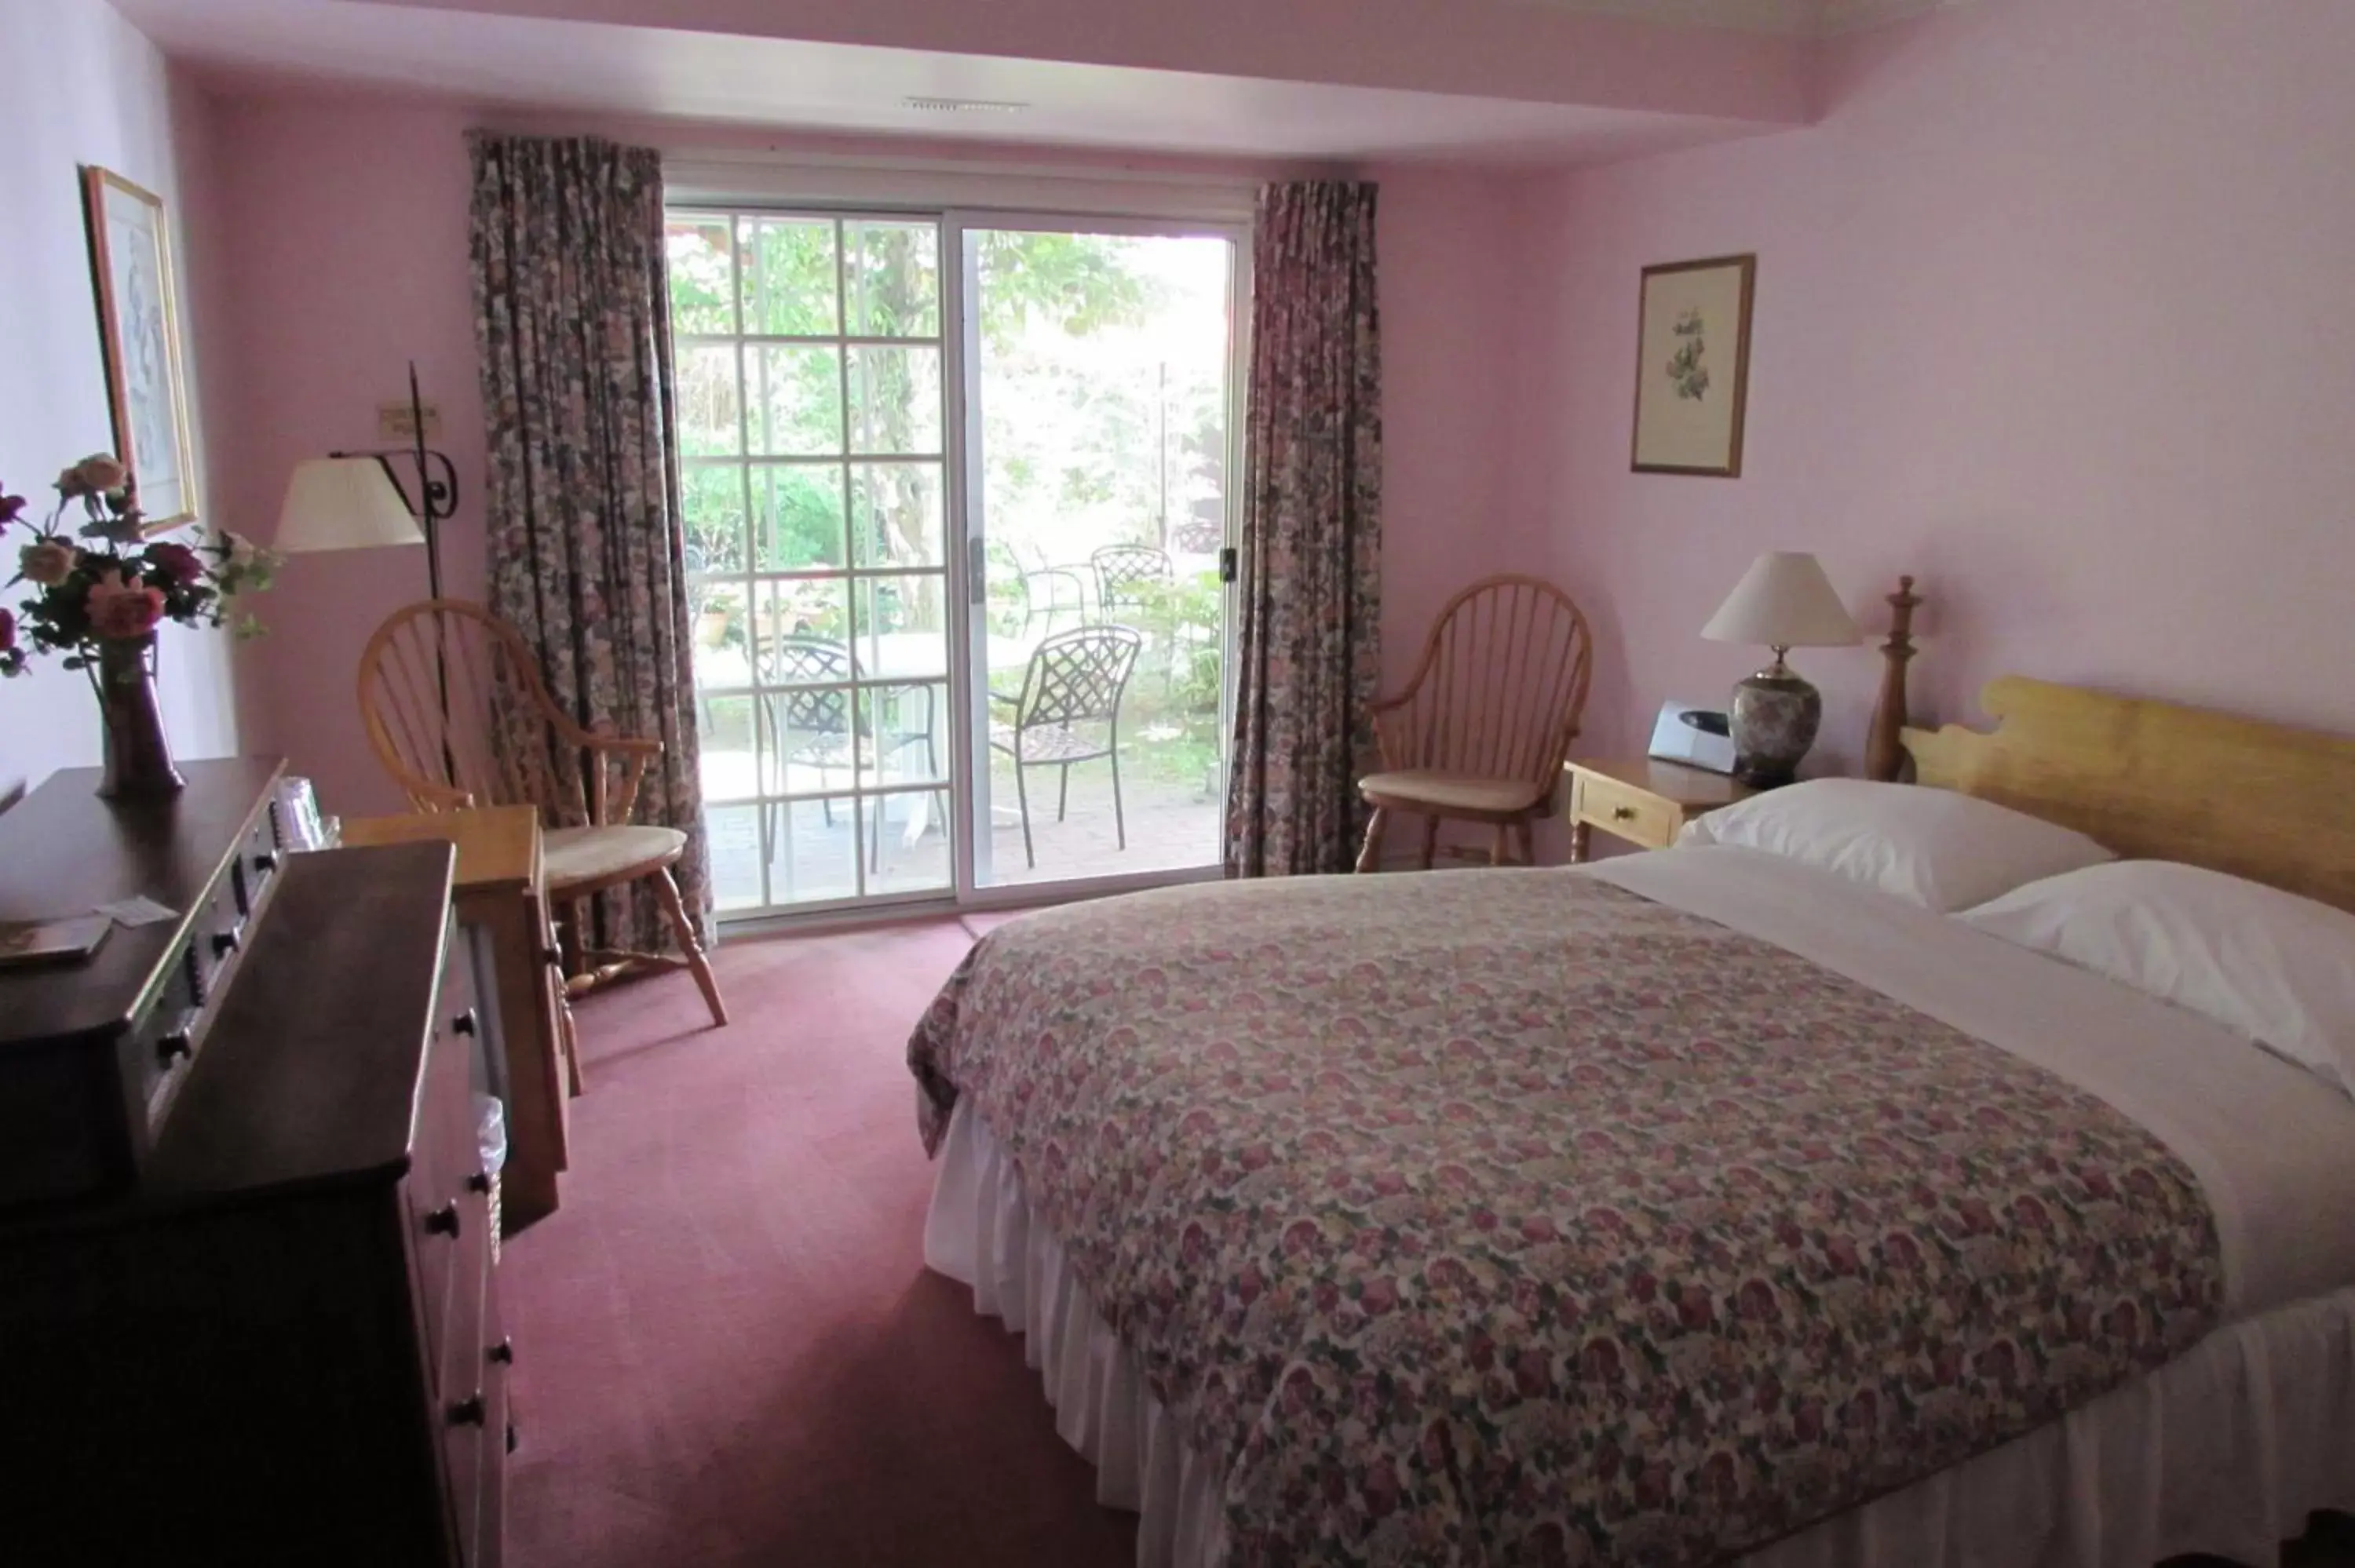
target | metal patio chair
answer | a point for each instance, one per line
(1072, 685)
(1121, 572)
(807, 702)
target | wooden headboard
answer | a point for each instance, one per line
(2156, 781)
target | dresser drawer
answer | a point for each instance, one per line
(445, 1196)
(1628, 813)
(475, 1414)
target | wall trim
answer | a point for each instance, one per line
(1781, 18)
(834, 179)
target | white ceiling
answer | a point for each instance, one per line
(504, 62)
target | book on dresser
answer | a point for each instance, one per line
(248, 1307)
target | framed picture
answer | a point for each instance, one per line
(1693, 366)
(139, 332)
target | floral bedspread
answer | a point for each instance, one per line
(1506, 1217)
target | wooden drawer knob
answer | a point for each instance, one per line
(468, 1412)
(1623, 814)
(443, 1221)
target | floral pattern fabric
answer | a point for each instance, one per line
(586, 552)
(1310, 645)
(1508, 1217)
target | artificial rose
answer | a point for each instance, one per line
(123, 609)
(47, 562)
(7, 631)
(175, 561)
(101, 474)
(11, 508)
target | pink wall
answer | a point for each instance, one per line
(87, 88)
(2051, 312)
(350, 233)
(1450, 274)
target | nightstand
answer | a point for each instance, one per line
(1645, 801)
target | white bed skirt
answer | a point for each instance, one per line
(2225, 1450)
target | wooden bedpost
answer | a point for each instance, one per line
(1884, 747)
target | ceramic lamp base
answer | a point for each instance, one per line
(1775, 716)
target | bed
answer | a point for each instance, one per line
(1695, 1207)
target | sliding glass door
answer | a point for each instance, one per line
(955, 497)
(1100, 393)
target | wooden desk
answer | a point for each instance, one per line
(1644, 801)
(501, 898)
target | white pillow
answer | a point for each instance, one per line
(1933, 847)
(2269, 965)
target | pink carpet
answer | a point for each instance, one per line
(728, 1351)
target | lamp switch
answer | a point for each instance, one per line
(392, 421)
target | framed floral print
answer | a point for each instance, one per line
(139, 333)
(1693, 366)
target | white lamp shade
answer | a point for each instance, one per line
(343, 503)
(1784, 601)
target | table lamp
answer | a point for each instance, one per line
(1783, 602)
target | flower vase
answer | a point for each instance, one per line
(138, 757)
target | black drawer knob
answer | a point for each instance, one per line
(468, 1412)
(503, 1353)
(464, 1023)
(266, 860)
(480, 1182)
(443, 1221)
(224, 944)
(173, 1047)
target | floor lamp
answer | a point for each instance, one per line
(356, 501)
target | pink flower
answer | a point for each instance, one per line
(101, 474)
(7, 631)
(123, 609)
(11, 508)
(47, 562)
(175, 561)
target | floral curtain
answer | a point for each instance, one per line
(1310, 562)
(585, 544)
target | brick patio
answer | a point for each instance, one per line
(1171, 826)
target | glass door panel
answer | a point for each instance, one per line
(811, 409)
(1098, 437)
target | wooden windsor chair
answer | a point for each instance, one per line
(1486, 722)
(426, 679)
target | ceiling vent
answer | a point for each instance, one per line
(964, 105)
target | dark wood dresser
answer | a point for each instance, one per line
(278, 1341)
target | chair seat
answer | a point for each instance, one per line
(1418, 789)
(575, 857)
(1047, 743)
